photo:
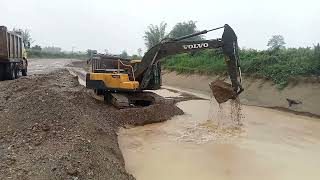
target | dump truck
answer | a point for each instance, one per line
(13, 58)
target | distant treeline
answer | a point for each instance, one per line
(55, 52)
(278, 65)
(34, 53)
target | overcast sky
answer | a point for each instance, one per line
(120, 24)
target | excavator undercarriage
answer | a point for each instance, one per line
(136, 99)
(123, 81)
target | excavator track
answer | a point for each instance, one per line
(119, 100)
(131, 100)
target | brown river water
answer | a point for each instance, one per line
(269, 145)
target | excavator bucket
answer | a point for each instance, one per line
(222, 91)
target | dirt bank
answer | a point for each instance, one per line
(258, 92)
(51, 128)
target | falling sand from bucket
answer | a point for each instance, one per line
(224, 121)
(222, 92)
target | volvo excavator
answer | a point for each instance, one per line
(123, 81)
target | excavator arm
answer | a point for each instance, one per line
(228, 43)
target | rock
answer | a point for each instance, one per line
(71, 170)
(293, 102)
(10, 160)
(45, 127)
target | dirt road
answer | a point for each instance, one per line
(51, 127)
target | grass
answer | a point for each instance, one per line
(200, 62)
(277, 65)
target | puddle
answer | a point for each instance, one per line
(270, 145)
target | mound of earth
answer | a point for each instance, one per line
(51, 128)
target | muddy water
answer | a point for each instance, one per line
(270, 145)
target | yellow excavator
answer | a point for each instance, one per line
(123, 81)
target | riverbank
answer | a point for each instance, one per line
(258, 92)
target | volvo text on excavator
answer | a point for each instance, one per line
(123, 81)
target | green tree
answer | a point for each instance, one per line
(135, 56)
(317, 58)
(155, 34)
(139, 52)
(317, 51)
(36, 48)
(185, 28)
(124, 54)
(26, 37)
(51, 49)
(276, 42)
(91, 52)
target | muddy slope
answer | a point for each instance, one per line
(51, 128)
(258, 92)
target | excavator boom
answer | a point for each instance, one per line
(228, 43)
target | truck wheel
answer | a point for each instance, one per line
(10, 71)
(24, 72)
(16, 71)
(2, 72)
(98, 92)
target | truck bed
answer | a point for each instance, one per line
(11, 46)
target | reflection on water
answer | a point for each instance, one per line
(269, 145)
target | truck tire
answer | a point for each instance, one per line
(16, 71)
(2, 72)
(10, 71)
(98, 92)
(24, 72)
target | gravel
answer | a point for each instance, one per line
(51, 128)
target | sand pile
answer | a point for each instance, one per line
(51, 128)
